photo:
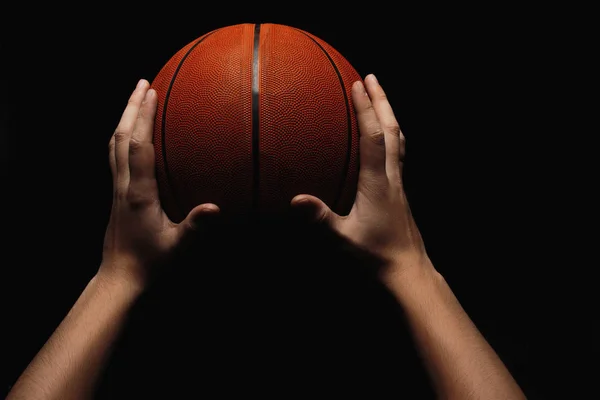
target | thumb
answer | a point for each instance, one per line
(313, 210)
(196, 220)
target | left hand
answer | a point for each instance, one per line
(380, 223)
(140, 237)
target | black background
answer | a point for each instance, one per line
(466, 86)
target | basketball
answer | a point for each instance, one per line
(251, 115)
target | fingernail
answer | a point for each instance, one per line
(210, 208)
(373, 78)
(141, 83)
(359, 87)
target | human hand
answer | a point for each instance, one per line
(380, 221)
(140, 236)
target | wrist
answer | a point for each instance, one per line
(120, 280)
(409, 277)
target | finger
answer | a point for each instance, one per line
(314, 211)
(124, 130)
(142, 179)
(372, 139)
(394, 139)
(112, 161)
(196, 222)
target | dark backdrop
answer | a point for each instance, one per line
(464, 88)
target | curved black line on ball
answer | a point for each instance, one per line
(348, 119)
(164, 121)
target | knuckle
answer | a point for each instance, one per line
(111, 144)
(120, 135)
(378, 137)
(137, 198)
(135, 146)
(394, 129)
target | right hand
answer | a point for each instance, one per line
(380, 221)
(140, 238)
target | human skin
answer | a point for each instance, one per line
(460, 362)
(140, 240)
(138, 243)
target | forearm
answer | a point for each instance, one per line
(460, 361)
(70, 362)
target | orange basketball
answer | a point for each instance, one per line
(251, 115)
